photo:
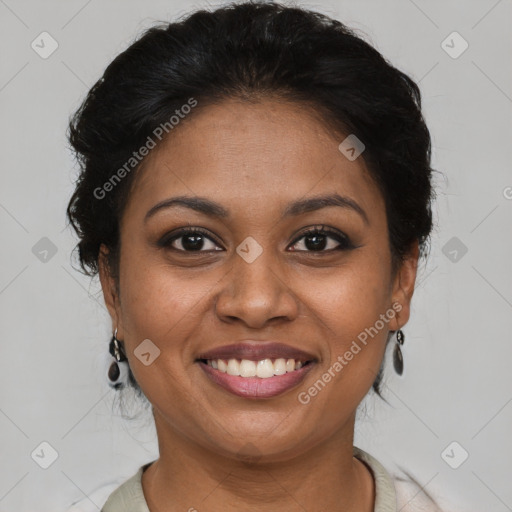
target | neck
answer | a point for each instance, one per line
(192, 478)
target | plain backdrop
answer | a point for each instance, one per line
(454, 399)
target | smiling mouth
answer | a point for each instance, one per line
(265, 378)
(262, 369)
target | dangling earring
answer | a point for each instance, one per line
(117, 373)
(398, 360)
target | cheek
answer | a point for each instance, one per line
(352, 298)
(155, 307)
(350, 305)
(168, 307)
(155, 301)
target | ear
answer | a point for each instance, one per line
(403, 288)
(109, 288)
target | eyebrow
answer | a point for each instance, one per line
(213, 209)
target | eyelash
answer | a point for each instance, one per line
(341, 238)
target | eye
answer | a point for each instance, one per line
(195, 239)
(189, 239)
(316, 240)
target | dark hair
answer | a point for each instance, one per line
(248, 51)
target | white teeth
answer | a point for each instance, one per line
(233, 367)
(247, 368)
(280, 366)
(263, 369)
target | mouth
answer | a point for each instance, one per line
(256, 370)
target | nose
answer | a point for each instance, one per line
(256, 293)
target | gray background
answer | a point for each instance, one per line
(457, 384)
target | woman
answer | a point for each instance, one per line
(255, 194)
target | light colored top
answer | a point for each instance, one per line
(129, 497)
(392, 494)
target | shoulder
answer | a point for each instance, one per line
(411, 497)
(129, 497)
(124, 495)
(95, 499)
(398, 490)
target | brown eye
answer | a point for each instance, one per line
(317, 240)
(190, 239)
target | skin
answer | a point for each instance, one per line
(255, 159)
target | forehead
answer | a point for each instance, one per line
(252, 154)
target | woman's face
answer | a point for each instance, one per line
(252, 274)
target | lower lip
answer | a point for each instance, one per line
(255, 387)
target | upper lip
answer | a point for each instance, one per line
(256, 351)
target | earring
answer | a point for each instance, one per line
(398, 360)
(117, 373)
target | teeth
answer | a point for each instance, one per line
(263, 369)
(247, 368)
(233, 367)
(280, 367)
